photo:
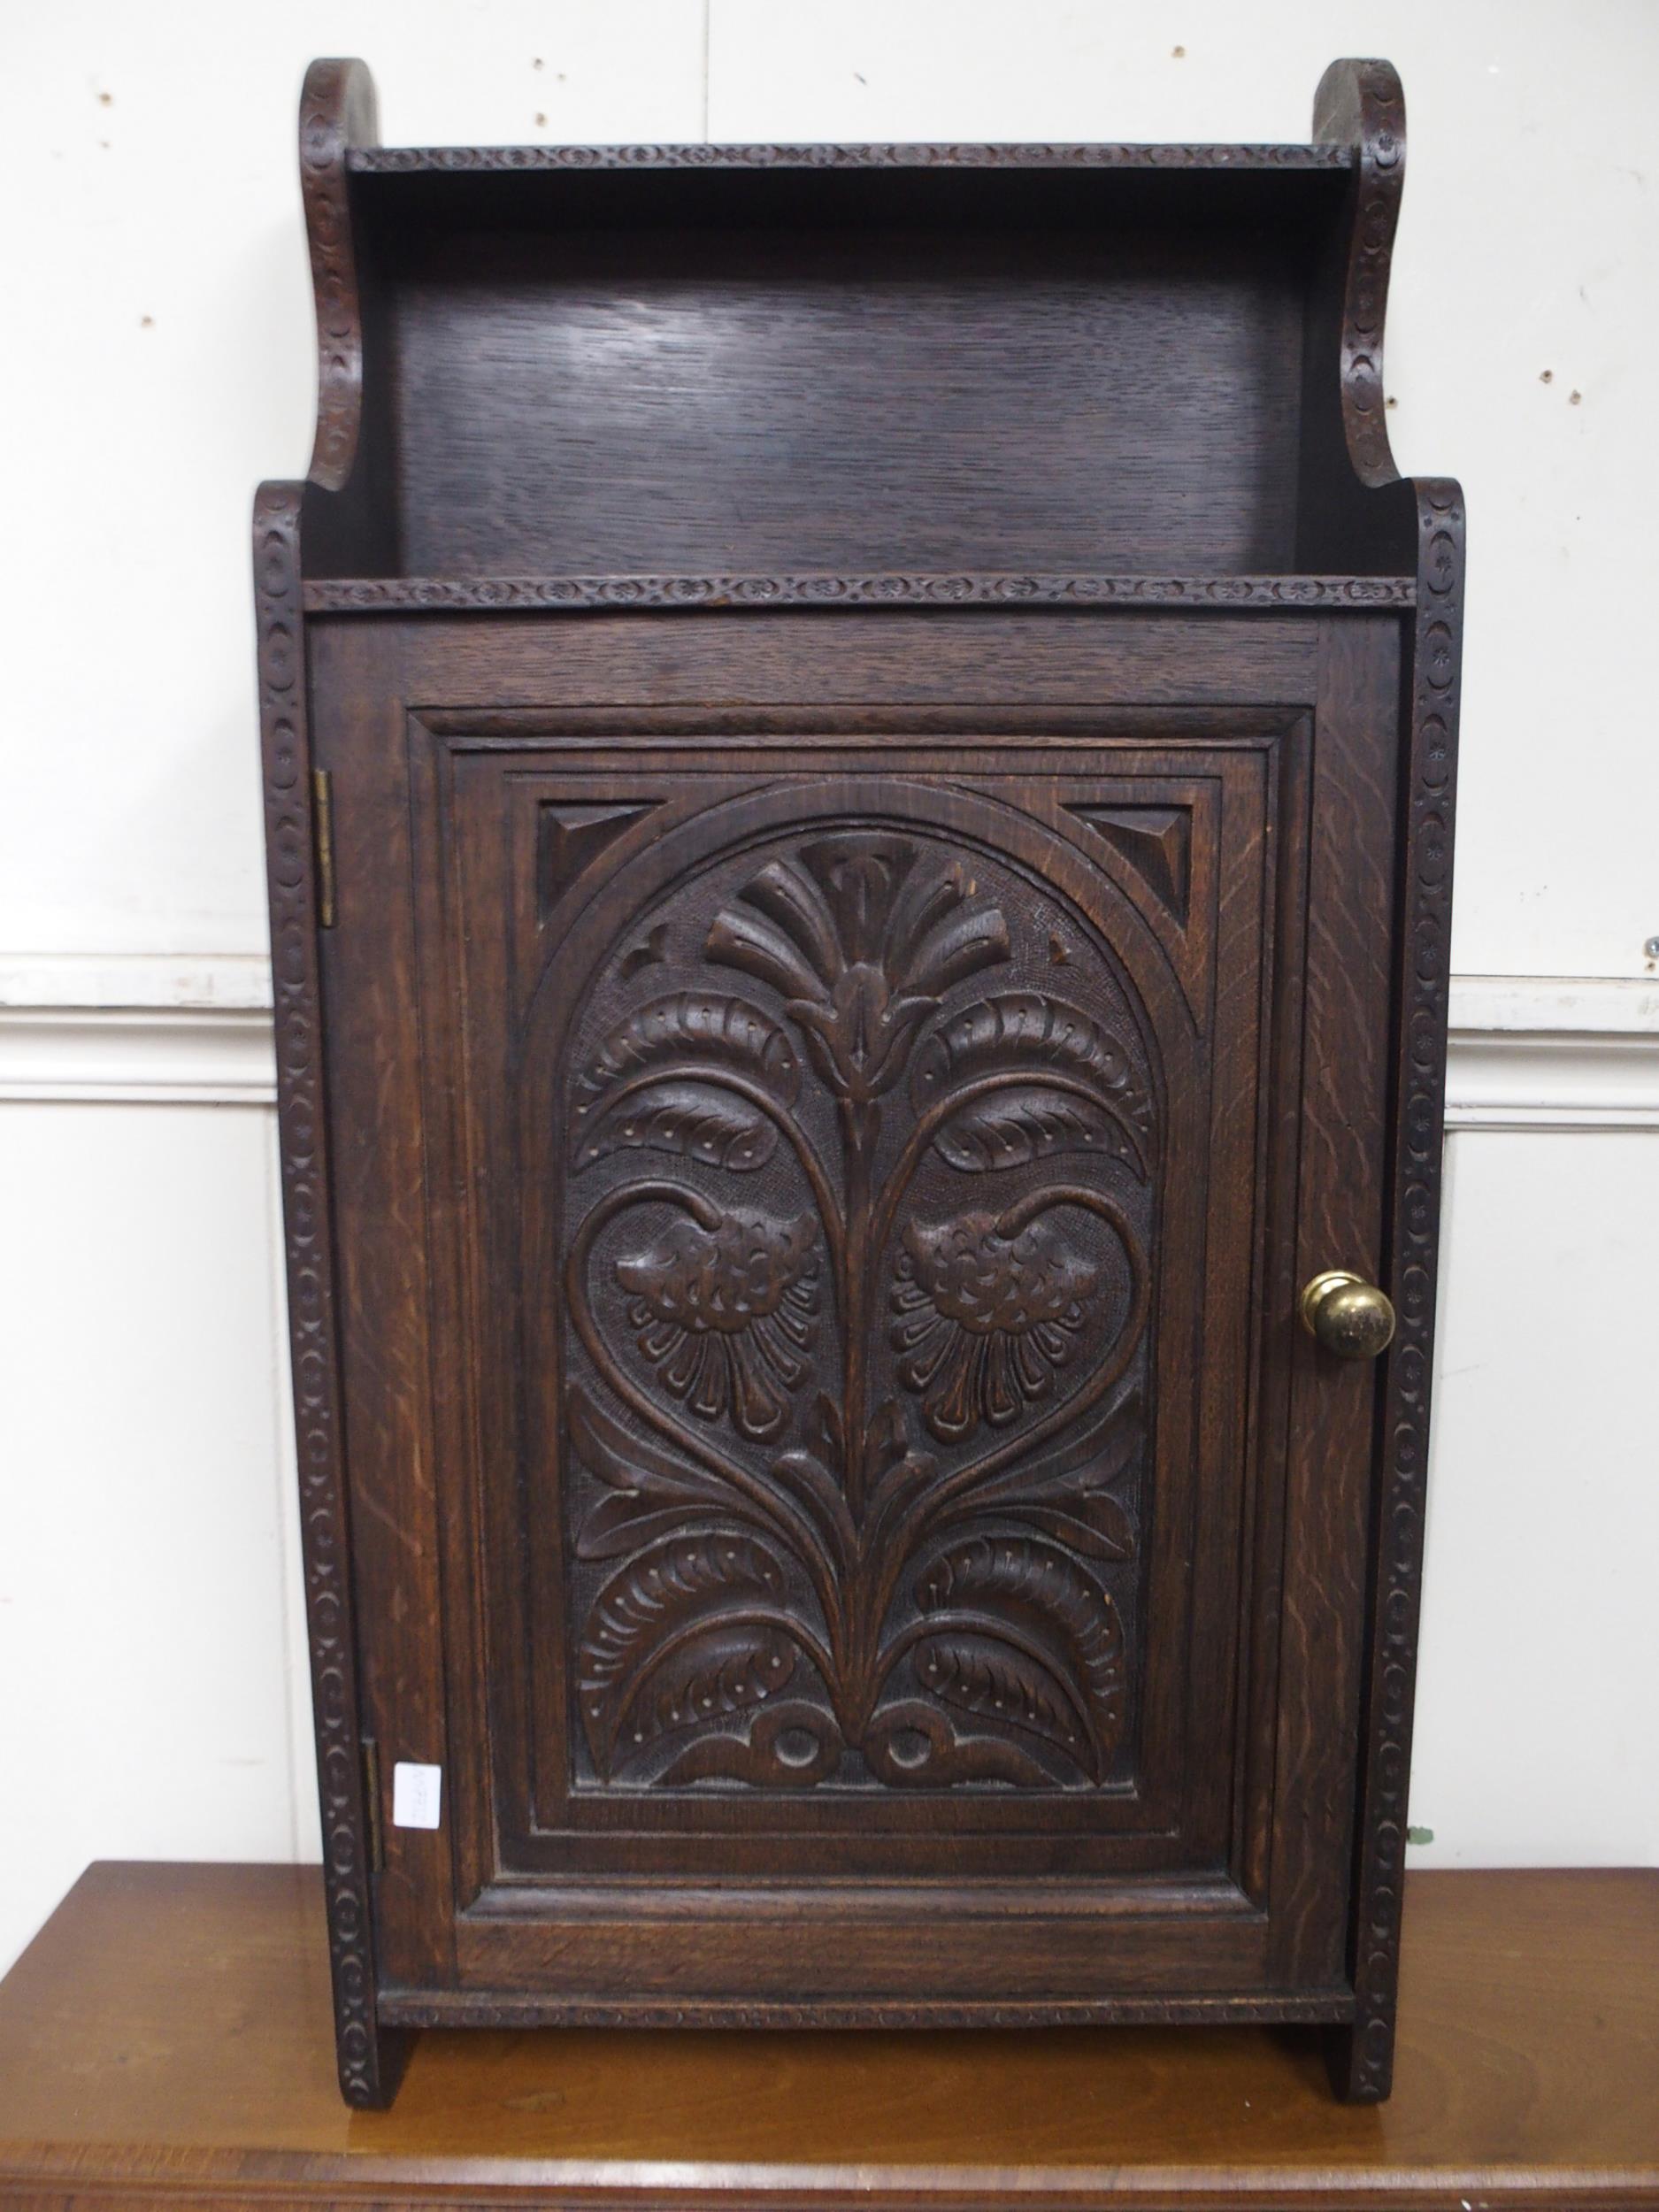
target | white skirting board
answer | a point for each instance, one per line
(1527, 1052)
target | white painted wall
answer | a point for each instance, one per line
(153, 1692)
(152, 1695)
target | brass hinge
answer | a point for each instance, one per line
(374, 1840)
(323, 830)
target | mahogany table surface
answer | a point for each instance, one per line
(167, 2039)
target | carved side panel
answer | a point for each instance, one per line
(369, 2061)
(1362, 103)
(860, 1190)
(1415, 1240)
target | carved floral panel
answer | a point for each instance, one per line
(861, 1157)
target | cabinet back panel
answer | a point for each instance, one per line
(700, 401)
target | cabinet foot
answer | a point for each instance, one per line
(1361, 2060)
(372, 2063)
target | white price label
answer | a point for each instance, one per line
(416, 1791)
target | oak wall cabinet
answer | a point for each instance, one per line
(858, 747)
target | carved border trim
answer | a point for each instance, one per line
(301, 1125)
(553, 595)
(1413, 1240)
(336, 107)
(415, 160)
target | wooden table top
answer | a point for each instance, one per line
(167, 2039)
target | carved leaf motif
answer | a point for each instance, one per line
(1028, 1593)
(1023, 1032)
(686, 1039)
(1068, 1495)
(620, 1523)
(704, 1026)
(683, 1583)
(649, 952)
(978, 1675)
(693, 1121)
(860, 1041)
(1011, 1128)
(648, 1494)
(831, 1442)
(861, 939)
(889, 1445)
(689, 1037)
(1099, 1527)
(729, 1670)
(1097, 1456)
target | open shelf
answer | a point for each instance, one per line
(1065, 372)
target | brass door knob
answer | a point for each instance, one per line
(1347, 1315)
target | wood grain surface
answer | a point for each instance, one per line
(167, 2039)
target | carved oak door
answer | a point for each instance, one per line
(853, 1162)
(837, 1484)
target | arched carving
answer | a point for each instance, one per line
(859, 1206)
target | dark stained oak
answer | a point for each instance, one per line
(859, 756)
(167, 2040)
